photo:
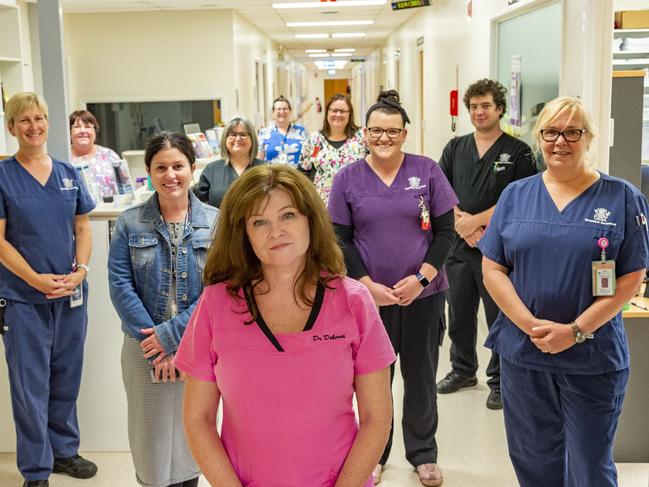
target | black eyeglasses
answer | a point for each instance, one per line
(377, 132)
(570, 135)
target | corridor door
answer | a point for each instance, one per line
(333, 86)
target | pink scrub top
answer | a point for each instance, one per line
(288, 419)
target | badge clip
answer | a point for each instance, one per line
(424, 217)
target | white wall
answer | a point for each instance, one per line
(142, 56)
(252, 47)
(449, 40)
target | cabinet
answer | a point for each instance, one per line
(13, 33)
(631, 52)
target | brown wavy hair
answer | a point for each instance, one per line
(231, 258)
(485, 87)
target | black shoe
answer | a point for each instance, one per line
(36, 483)
(495, 400)
(76, 466)
(453, 382)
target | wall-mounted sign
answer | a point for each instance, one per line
(403, 4)
(420, 41)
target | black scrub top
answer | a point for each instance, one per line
(215, 180)
(478, 182)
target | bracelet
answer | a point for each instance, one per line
(84, 267)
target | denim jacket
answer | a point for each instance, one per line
(139, 269)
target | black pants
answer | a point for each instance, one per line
(464, 273)
(416, 332)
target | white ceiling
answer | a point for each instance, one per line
(273, 21)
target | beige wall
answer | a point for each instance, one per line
(167, 55)
(449, 40)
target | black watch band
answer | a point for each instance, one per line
(422, 279)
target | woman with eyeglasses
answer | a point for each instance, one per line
(564, 250)
(84, 129)
(339, 143)
(281, 142)
(238, 148)
(393, 213)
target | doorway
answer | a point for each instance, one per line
(333, 86)
(422, 121)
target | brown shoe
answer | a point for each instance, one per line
(430, 475)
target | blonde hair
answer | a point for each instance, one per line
(20, 103)
(231, 258)
(558, 107)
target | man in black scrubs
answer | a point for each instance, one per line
(479, 166)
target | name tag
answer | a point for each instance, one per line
(603, 278)
(76, 298)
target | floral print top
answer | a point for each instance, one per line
(279, 148)
(326, 160)
(98, 172)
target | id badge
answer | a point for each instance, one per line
(76, 298)
(603, 278)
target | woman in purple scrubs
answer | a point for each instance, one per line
(393, 213)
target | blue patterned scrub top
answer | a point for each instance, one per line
(279, 148)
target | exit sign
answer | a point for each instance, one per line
(403, 4)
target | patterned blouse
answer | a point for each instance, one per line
(98, 172)
(319, 154)
(282, 148)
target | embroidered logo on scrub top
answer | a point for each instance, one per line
(601, 215)
(503, 160)
(415, 183)
(324, 338)
(68, 184)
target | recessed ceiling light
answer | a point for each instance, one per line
(331, 71)
(315, 50)
(348, 3)
(329, 23)
(319, 55)
(345, 49)
(341, 54)
(311, 36)
(330, 64)
(348, 34)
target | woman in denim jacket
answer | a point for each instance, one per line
(155, 266)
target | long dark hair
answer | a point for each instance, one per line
(169, 140)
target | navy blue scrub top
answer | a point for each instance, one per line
(40, 222)
(549, 255)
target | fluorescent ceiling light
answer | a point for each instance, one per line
(319, 55)
(329, 23)
(341, 54)
(330, 64)
(345, 49)
(311, 36)
(348, 3)
(349, 34)
(316, 50)
(331, 71)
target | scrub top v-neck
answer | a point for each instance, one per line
(40, 222)
(549, 253)
(313, 316)
(288, 417)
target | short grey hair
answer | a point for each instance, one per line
(254, 143)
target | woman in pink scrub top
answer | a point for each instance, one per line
(285, 340)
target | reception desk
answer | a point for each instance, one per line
(632, 438)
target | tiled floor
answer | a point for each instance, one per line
(471, 440)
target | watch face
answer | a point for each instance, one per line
(580, 338)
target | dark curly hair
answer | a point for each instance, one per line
(486, 87)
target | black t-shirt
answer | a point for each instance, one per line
(478, 182)
(215, 180)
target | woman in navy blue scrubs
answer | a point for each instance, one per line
(564, 251)
(45, 246)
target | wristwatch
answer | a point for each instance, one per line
(84, 267)
(422, 279)
(578, 334)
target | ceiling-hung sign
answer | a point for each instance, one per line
(403, 4)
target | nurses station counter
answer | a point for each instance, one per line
(102, 401)
(632, 438)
